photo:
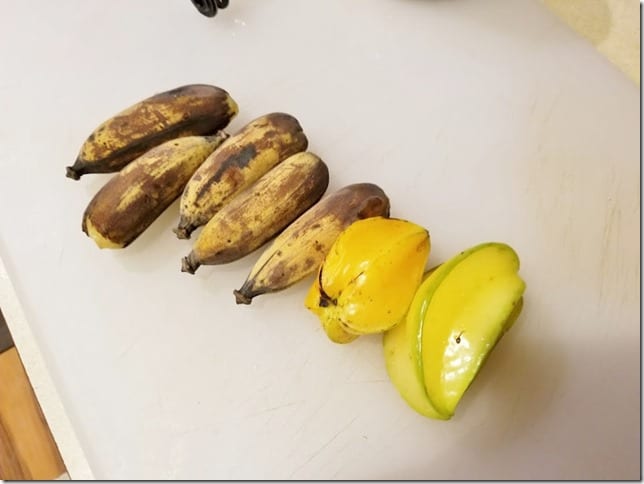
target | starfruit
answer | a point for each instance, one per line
(457, 316)
(369, 277)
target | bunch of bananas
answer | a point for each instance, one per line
(245, 189)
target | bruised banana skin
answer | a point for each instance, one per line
(240, 161)
(259, 213)
(139, 193)
(300, 249)
(195, 109)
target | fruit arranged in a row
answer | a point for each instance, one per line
(300, 249)
(261, 184)
(244, 189)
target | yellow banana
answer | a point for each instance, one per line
(259, 213)
(241, 160)
(195, 109)
(139, 193)
(300, 249)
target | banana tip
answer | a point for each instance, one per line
(182, 232)
(188, 265)
(241, 298)
(72, 173)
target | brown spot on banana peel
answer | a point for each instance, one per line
(236, 154)
(239, 161)
(206, 109)
(312, 236)
(232, 163)
(284, 193)
(375, 206)
(236, 165)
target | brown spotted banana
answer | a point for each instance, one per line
(130, 201)
(196, 109)
(240, 161)
(300, 249)
(260, 212)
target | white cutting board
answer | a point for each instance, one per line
(481, 120)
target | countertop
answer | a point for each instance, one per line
(481, 120)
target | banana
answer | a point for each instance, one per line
(139, 193)
(259, 213)
(241, 160)
(195, 109)
(300, 249)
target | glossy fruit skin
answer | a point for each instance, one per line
(401, 363)
(461, 312)
(369, 276)
(401, 346)
(457, 316)
(466, 316)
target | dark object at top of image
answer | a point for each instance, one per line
(209, 7)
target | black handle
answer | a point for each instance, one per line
(209, 7)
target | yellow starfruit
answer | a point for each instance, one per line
(369, 277)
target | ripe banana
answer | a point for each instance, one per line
(300, 249)
(195, 109)
(241, 160)
(257, 214)
(139, 193)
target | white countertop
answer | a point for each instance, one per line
(481, 120)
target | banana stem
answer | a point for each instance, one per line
(183, 232)
(241, 298)
(71, 173)
(189, 264)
